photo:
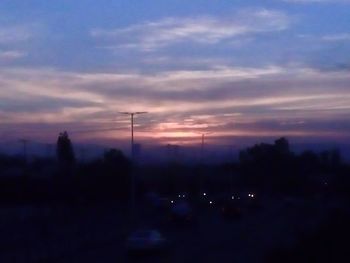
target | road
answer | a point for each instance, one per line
(98, 233)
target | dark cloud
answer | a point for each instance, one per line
(42, 104)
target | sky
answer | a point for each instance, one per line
(237, 70)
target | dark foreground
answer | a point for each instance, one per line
(276, 232)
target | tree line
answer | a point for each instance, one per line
(270, 168)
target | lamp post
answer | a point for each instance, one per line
(133, 181)
(132, 114)
(203, 134)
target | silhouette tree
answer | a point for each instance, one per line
(269, 166)
(116, 173)
(114, 159)
(335, 158)
(64, 150)
(309, 162)
(282, 146)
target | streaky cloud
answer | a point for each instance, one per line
(151, 36)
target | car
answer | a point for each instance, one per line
(252, 201)
(146, 241)
(181, 213)
(182, 196)
(162, 203)
(207, 201)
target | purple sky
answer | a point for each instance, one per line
(242, 70)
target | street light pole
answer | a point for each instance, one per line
(201, 162)
(202, 144)
(132, 114)
(133, 179)
(132, 135)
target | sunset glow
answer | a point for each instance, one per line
(229, 72)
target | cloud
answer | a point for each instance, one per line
(231, 101)
(150, 36)
(336, 37)
(15, 33)
(42, 104)
(11, 54)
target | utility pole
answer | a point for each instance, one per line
(133, 179)
(132, 114)
(203, 134)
